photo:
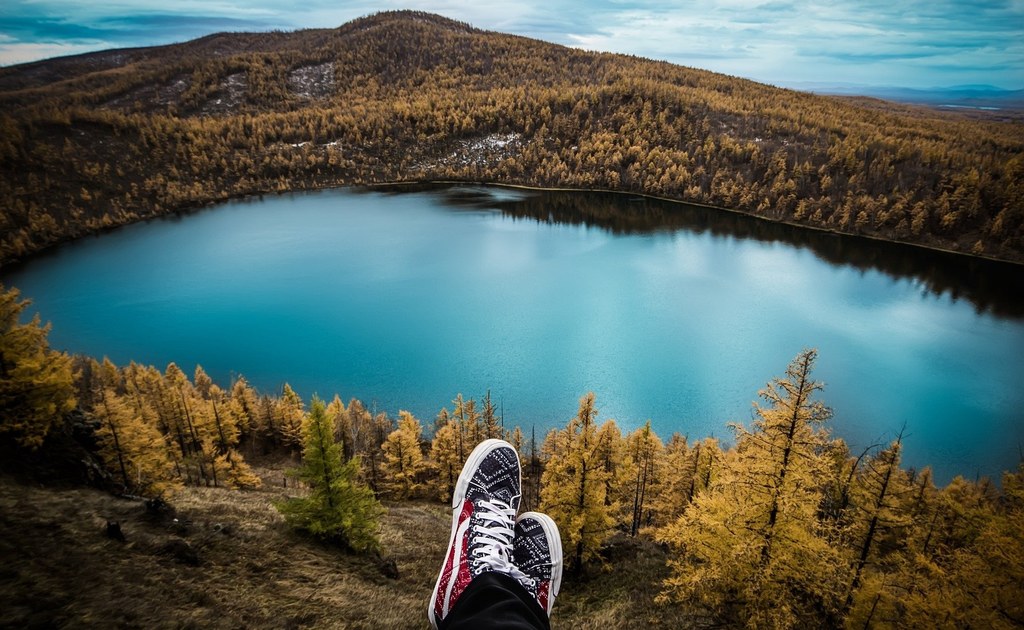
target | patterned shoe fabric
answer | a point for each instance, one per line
(537, 552)
(484, 509)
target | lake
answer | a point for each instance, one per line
(404, 298)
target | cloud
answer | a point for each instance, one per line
(24, 52)
(913, 43)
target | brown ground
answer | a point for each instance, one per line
(229, 561)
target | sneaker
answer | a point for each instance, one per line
(537, 552)
(484, 509)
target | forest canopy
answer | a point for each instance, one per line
(103, 139)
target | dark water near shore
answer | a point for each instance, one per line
(665, 311)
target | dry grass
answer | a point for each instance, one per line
(59, 569)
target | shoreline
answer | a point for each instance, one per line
(966, 256)
(802, 226)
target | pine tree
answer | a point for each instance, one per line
(36, 385)
(574, 486)
(338, 507)
(342, 426)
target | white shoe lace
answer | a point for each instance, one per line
(491, 545)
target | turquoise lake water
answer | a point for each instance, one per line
(675, 314)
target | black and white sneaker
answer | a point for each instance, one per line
(484, 509)
(537, 553)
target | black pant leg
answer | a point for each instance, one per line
(496, 601)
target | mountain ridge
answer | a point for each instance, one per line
(128, 134)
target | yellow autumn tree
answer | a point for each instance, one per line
(403, 465)
(135, 452)
(289, 414)
(640, 477)
(878, 510)
(574, 485)
(749, 550)
(36, 386)
(229, 465)
(444, 454)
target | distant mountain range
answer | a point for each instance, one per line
(972, 96)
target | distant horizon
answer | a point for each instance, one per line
(908, 44)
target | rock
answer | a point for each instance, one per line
(113, 531)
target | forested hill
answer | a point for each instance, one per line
(107, 138)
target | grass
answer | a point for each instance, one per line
(230, 561)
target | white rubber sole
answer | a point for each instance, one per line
(458, 496)
(555, 547)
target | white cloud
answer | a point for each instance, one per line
(914, 43)
(21, 52)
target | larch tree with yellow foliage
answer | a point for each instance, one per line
(133, 450)
(403, 466)
(444, 454)
(36, 386)
(877, 509)
(749, 550)
(574, 486)
(643, 456)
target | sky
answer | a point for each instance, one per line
(793, 43)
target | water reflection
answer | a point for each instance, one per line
(992, 287)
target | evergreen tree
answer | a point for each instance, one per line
(338, 507)
(574, 485)
(36, 385)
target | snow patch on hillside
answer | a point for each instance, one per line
(312, 81)
(485, 151)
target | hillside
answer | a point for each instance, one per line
(220, 558)
(103, 139)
